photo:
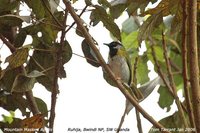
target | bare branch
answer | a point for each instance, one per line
(185, 63)
(193, 61)
(58, 65)
(172, 83)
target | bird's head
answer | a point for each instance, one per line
(114, 48)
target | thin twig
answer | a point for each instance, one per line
(172, 83)
(107, 68)
(85, 57)
(185, 62)
(79, 16)
(160, 72)
(122, 119)
(139, 123)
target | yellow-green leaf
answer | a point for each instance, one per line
(18, 58)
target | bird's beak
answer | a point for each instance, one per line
(107, 44)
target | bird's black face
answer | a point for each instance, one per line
(113, 47)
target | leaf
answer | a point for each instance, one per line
(142, 70)
(159, 53)
(66, 51)
(130, 41)
(88, 2)
(9, 118)
(13, 20)
(89, 54)
(172, 122)
(99, 14)
(149, 26)
(165, 98)
(13, 102)
(131, 44)
(15, 123)
(66, 56)
(18, 58)
(42, 106)
(166, 7)
(23, 83)
(34, 122)
(53, 5)
(104, 3)
(37, 7)
(10, 5)
(20, 38)
(117, 10)
(129, 25)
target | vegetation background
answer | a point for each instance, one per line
(168, 32)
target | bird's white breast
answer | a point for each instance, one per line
(120, 68)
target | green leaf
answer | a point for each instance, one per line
(173, 123)
(142, 70)
(42, 106)
(9, 118)
(130, 40)
(66, 51)
(23, 83)
(89, 54)
(159, 53)
(178, 79)
(165, 98)
(42, 61)
(18, 58)
(149, 26)
(100, 14)
(37, 7)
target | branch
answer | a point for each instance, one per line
(58, 65)
(106, 68)
(193, 61)
(171, 82)
(139, 123)
(122, 119)
(29, 95)
(185, 63)
(79, 16)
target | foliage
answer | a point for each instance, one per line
(142, 26)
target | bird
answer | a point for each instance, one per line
(120, 64)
